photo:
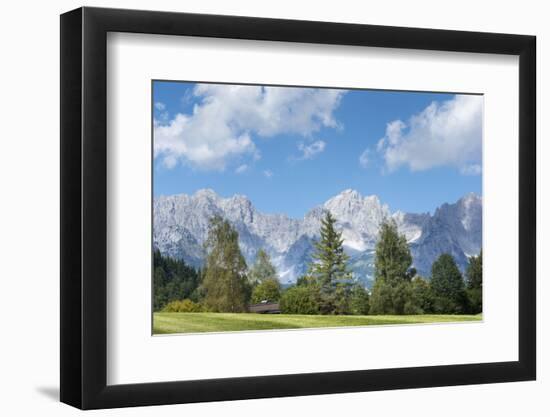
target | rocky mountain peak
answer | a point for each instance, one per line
(206, 193)
(181, 227)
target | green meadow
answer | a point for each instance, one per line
(166, 323)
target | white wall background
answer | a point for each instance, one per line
(29, 225)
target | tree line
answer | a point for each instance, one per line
(226, 284)
(173, 280)
(399, 290)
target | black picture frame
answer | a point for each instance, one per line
(84, 207)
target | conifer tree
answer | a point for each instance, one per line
(359, 300)
(225, 283)
(262, 269)
(393, 256)
(329, 259)
(474, 271)
(448, 286)
(329, 268)
(173, 280)
(474, 282)
(391, 293)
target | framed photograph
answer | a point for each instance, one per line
(257, 208)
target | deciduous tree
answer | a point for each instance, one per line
(225, 282)
(299, 300)
(268, 290)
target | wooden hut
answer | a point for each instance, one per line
(265, 307)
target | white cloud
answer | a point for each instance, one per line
(241, 168)
(309, 151)
(162, 116)
(364, 158)
(445, 133)
(204, 146)
(221, 127)
(268, 173)
(474, 169)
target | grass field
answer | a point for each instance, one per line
(164, 323)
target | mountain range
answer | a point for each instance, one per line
(181, 227)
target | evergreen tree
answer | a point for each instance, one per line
(262, 269)
(339, 299)
(448, 286)
(474, 281)
(359, 300)
(160, 298)
(329, 268)
(474, 271)
(173, 280)
(392, 291)
(225, 282)
(329, 260)
(393, 256)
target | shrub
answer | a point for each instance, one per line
(411, 307)
(422, 296)
(299, 300)
(359, 300)
(404, 297)
(182, 306)
(269, 290)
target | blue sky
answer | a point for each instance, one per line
(291, 149)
